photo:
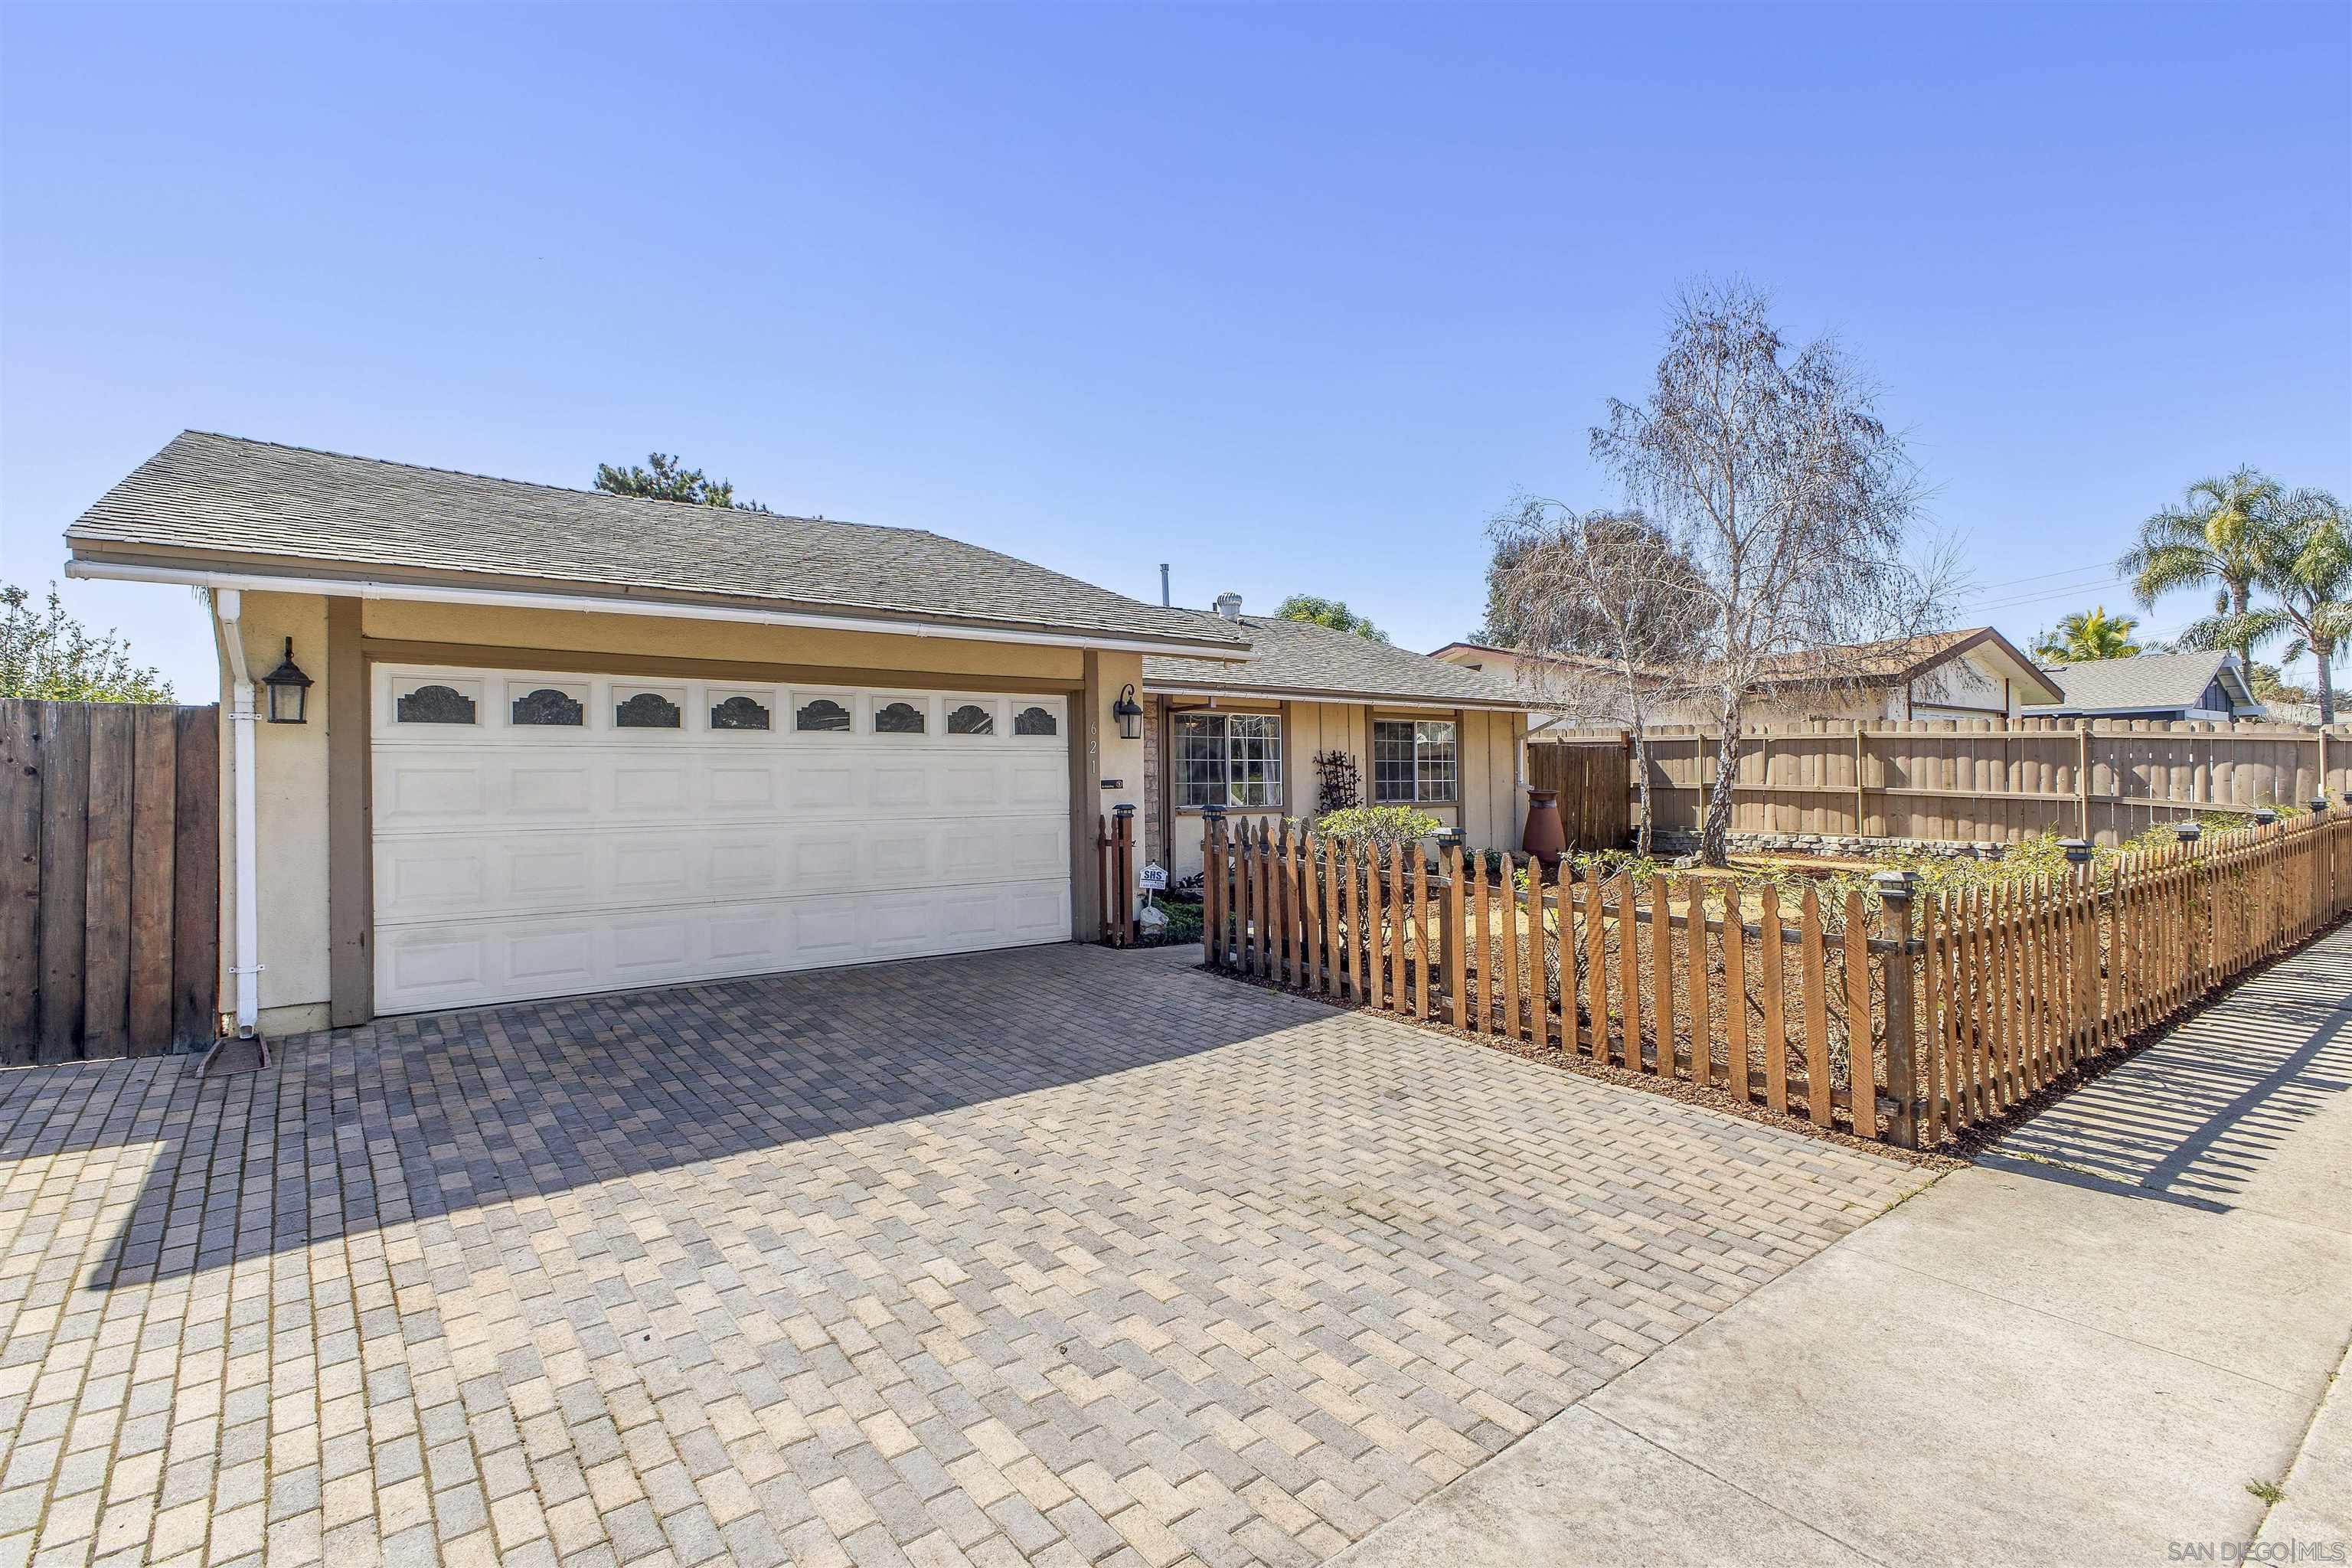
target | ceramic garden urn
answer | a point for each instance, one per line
(1544, 838)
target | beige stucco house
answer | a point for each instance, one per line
(1313, 711)
(560, 742)
(1974, 673)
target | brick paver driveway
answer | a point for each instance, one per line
(1060, 1255)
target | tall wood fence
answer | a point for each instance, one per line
(110, 896)
(1904, 1015)
(1993, 780)
(1595, 810)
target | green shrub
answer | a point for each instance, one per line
(1380, 827)
(1183, 927)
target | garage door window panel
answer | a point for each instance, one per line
(738, 712)
(1037, 719)
(436, 702)
(893, 715)
(553, 707)
(639, 709)
(821, 716)
(971, 718)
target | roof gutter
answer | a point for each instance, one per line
(592, 604)
(1369, 700)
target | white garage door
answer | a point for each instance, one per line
(548, 835)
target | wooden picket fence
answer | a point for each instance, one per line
(1847, 1017)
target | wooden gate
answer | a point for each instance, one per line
(1589, 775)
(110, 880)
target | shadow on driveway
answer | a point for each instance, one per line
(414, 1119)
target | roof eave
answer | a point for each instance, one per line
(114, 561)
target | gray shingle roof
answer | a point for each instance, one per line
(1300, 659)
(296, 509)
(2143, 681)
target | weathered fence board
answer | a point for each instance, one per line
(1914, 1026)
(110, 905)
(1987, 780)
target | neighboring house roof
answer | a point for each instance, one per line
(1892, 662)
(242, 505)
(1301, 660)
(2147, 682)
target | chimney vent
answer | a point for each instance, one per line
(1229, 604)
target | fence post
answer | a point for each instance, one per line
(1895, 890)
(1449, 927)
(1122, 817)
(1213, 886)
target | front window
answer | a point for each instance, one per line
(1412, 762)
(1228, 759)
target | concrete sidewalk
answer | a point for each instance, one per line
(2085, 1348)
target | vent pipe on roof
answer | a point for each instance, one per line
(1229, 604)
(1163, 585)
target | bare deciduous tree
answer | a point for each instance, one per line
(1606, 609)
(1769, 468)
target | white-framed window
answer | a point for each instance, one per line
(1229, 758)
(1414, 762)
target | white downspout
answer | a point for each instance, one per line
(228, 604)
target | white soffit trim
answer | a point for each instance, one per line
(507, 598)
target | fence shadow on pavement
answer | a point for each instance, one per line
(2192, 1118)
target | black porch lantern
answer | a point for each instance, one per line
(288, 689)
(1129, 714)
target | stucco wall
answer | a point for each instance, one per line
(289, 816)
(291, 761)
(657, 636)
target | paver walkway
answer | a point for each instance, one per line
(2085, 1349)
(1060, 1255)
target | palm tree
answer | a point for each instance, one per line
(2214, 539)
(2307, 567)
(2088, 635)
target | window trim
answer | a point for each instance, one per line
(1372, 735)
(1279, 780)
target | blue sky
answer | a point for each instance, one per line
(1292, 298)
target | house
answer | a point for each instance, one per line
(560, 742)
(1272, 737)
(2195, 685)
(557, 741)
(1973, 673)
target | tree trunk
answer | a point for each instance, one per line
(2322, 653)
(1642, 791)
(2238, 601)
(1715, 834)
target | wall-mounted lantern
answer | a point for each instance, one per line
(1129, 714)
(288, 690)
